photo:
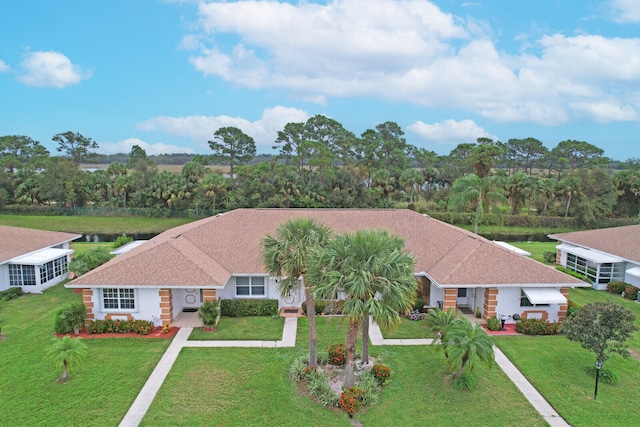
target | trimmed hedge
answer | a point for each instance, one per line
(537, 327)
(142, 327)
(11, 293)
(573, 274)
(248, 307)
(630, 291)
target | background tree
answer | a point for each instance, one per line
(76, 146)
(601, 327)
(287, 256)
(66, 353)
(480, 192)
(232, 145)
(372, 271)
(20, 152)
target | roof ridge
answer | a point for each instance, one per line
(198, 257)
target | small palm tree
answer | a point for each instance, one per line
(285, 255)
(466, 345)
(65, 353)
(372, 271)
(439, 322)
(479, 191)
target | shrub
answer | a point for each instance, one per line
(549, 257)
(248, 307)
(70, 318)
(616, 287)
(87, 261)
(320, 389)
(607, 376)
(11, 293)
(415, 315)
(464, 381)
(573, 274)
(121, 241)
(319, 306)
(572, 308)
(351, 400)
(493, 324)
(630, 292)
(337, 354)
(370, 389)
(418, 305)
(109, 326)
(297, 368)
(537, 327)
(209, 313)
(381, 373)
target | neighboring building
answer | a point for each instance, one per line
(603, 255)
(33, 259)
(220, 256)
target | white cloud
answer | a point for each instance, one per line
(51, 69)
(200, 129)
(625, 11)
(411, 51)
(125, 146)
(449, 132)
(4, 67)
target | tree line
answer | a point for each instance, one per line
(321, 164)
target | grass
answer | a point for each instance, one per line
(94, 225)
(249, 386)
(82, 247)
(243, 328)
(98, 393)
(408, 329)
(556, 367)
(537, 249)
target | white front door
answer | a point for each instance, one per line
(192, 297)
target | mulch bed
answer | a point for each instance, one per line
(510, 330)
(155, 333)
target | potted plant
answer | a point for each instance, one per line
(209, 313)
(477, 312)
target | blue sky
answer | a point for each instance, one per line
(167, 74)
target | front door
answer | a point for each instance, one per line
(463, 298)
(192, 297)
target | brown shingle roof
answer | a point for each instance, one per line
(623, 242)
(209, 251)
(16, 241)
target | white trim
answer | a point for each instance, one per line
(41, 257)
(136, 301)
(590, 254)
(251, 286)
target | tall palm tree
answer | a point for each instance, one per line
(466, 345)
(65, 353)
(472, 189)
(375, 276)
(286, 255)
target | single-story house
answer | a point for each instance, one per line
(220, 256)
(603, 255)
(33, 260)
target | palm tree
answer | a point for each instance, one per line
(66, 353)
(439, 322)
(286, 256)
(375, 276)
(471, 188)
(466, 345)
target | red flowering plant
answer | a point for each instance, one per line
(351, 400)
(337, 354)
(381, 373)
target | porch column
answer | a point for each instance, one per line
(490, 303)
(562, 311)
(87, 300)
(450, 297)
(558, 253)
(209, 295)
(166, 306)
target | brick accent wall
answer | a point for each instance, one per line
(543, 313)
(450, 297)
(88, 303)
(562, 311)
(558, 253)
(490, 303)
(166, 306)
(209, 295)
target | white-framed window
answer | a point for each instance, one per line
(22, 275)
(118, 299)
(250, 286)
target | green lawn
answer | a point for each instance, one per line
(81, 247)
(555, 366)
(94, 225)
(98, 393)
(225, 386)
(243, 328)
(536, 248)
(409, 329)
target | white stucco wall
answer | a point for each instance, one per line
(436, 294)
(147, 306)
(271, 291)
(4, 277)
(509, 304)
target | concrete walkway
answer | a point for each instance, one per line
(139, 408)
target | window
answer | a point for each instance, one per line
(250, 286)
(524, 301)
(22, 275)
(603, 273)
(118, 299)
(462, 292)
